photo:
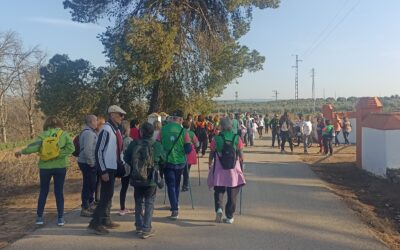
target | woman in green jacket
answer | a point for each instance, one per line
(54, 147)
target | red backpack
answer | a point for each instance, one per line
(77, 146)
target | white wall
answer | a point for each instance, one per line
(373, 151)
(380, 150)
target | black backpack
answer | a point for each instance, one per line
(229, 154)
(142, 162)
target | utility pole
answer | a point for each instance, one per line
(313, 86)
(236, 100)
(276, 93)
(296, 80)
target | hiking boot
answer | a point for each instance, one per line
(228, 221)
(39, 220)
(174, 215)
(99, 230)
(184, 189)
(111, 225)
(149, 234)
(60, 222)
(218, 216)
(86, 213)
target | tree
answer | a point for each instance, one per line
(176, 50)
(67, 89)
(26, 89)
(13, 60)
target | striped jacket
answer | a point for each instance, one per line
(106, 148)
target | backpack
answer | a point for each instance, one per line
(228, 155)
(77, 146)
(50, 148)
(142, 162)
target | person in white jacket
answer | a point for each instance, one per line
(306, 130)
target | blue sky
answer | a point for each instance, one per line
(354, 45)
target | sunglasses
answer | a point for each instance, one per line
(121, 115)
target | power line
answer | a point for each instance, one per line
(325, 29)
(334, 28)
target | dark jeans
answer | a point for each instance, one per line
(327, 144)
(122, 193)
(346, 137)
(144, 200)
(248, 137)
(172, 175)
(45, 175)
(275, 134)
(337, 138)
(98, 187)
(186, 172)
(230, 206)
(203, 144)
(101, 214)
(89, 175)
(286, 138)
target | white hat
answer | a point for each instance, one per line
(116, 109)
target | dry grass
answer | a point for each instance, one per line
(19, 185)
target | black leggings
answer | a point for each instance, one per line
(122, 193)
(230, 206)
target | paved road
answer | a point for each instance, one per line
(285, 206)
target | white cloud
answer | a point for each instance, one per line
(66, 23)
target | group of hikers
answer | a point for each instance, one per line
(145, 155)
(142, 155)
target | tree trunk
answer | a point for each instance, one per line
(156, 98)
(3, 119)
(31, 126)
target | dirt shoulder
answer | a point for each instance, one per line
(374, 199)
(19, 192)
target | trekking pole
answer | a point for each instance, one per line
(198, 166)
(241, 193)
(165, 193)
(190, 188)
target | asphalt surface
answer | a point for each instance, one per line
(284, 206)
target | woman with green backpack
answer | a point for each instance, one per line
(54, 147)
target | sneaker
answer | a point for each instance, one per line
(149, 234)
(39, 220)
(111, 225)
(92, 207)
(139, 231)
(60, 222)
(99, 230)
(218, 216)
(86, 213)
(123, 212)
(174, 215)
(228, 221)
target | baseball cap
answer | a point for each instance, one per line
(116, 109)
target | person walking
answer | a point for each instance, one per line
(87, 164)
(320, 128)
(176, 142)
(275, 130)
(261, 125)
(346, 130)
(191, 158)
(306, 130)
(145, 188)
(126, 140)
(327, 135)
(225, 178)
(54, 146)
(266, 123)
(235, 124)
(286, 127)
(249, 136)
(100, 123)
(108, 159)
(338, 127)
(201, 133)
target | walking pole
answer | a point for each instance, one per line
(190, 188)
(241, 193)
(165, 193)
(198, 166)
